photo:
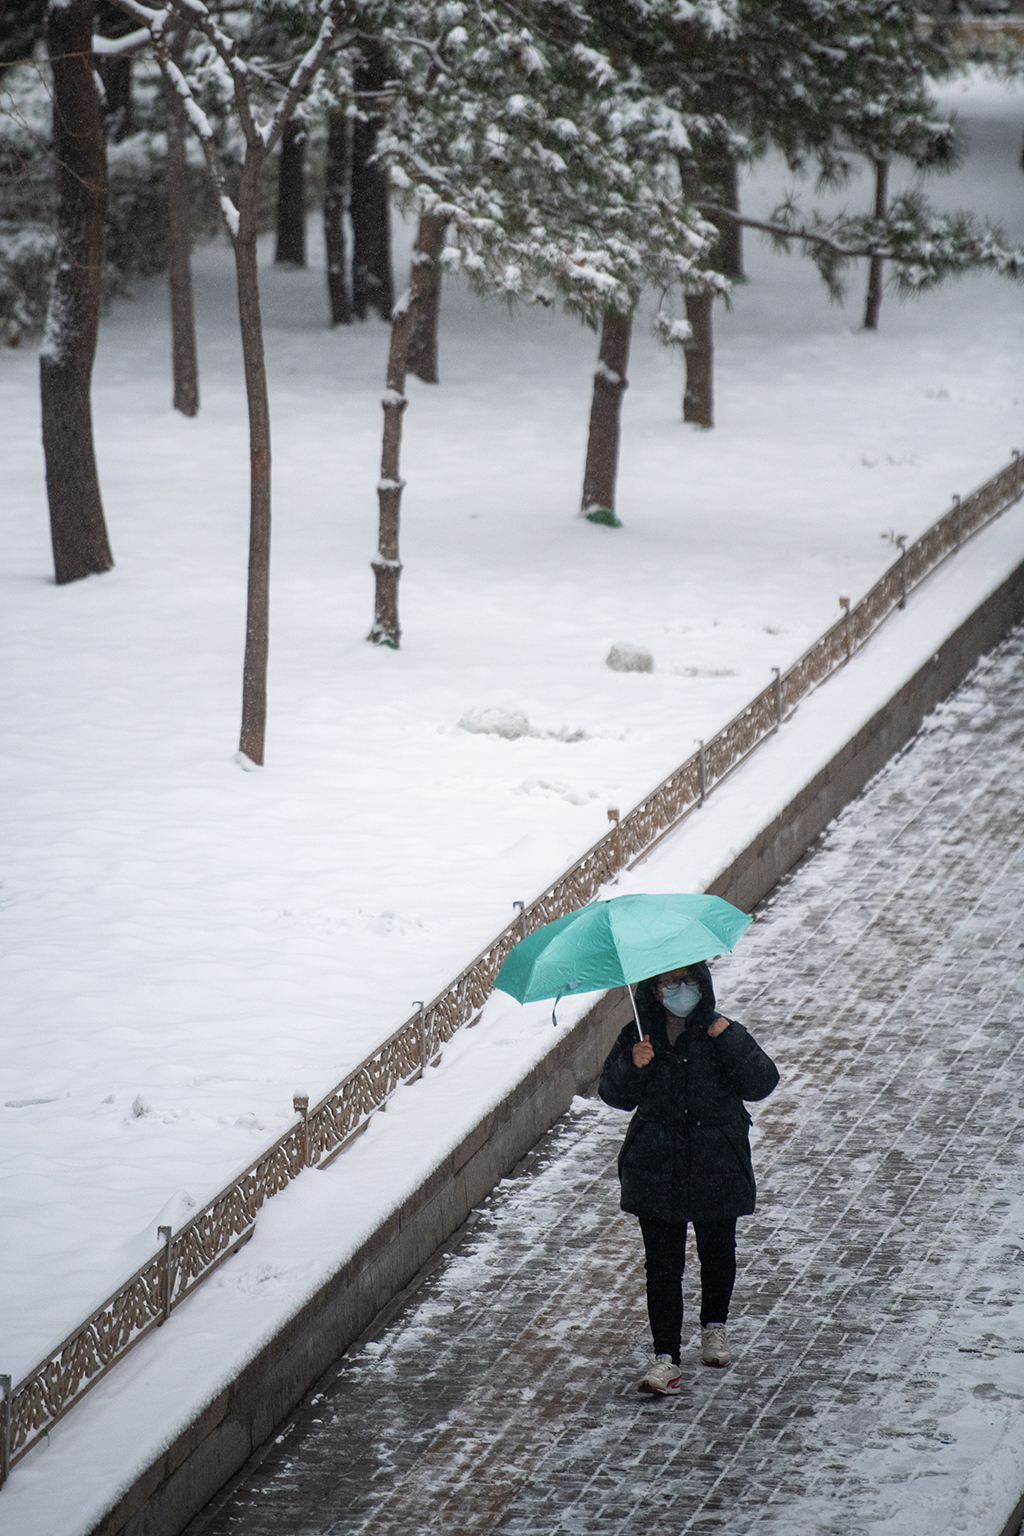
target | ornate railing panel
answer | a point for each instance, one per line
(29, 1409)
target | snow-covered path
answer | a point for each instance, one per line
(878, 1325)
(182, 945)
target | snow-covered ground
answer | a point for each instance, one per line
(878, 1322)
(185, 944)
(303, 1236)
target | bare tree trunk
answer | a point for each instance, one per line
(116, 75)
(372, 283)
(730, 234)
(422, 357)
(78, 530)
(610, 384)
(254, 678)
(699, 351)
(337, 194)
(179, 262)
(387, 568)
(718, 175)
(875, 270)
(291, 197)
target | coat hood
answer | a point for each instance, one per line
(653, 1014)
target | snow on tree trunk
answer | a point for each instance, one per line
(291, 197)
(179, 262)
(80, 544)
(610, 384)
(387, 568)
(422, 355)
(875, 270)
(337, 193)
(372, 283)
(699, 352)
(254, 679)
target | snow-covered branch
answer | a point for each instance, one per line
(119, 47)
(924, 246)
(782, 233)
(203, 129)
(197, 16)
(155, 34)
(304, 71)
(146, 15)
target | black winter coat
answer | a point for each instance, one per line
(686, 1156)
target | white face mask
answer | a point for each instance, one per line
(681, 998)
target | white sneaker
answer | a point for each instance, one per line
(714, 1346)
(662, 1376)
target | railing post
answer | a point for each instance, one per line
(778, 699)
(166, 1233)
(959, 521)
(1019, 465)
(703, 773)
(613, 816)
(5, 1428)
(901, 544)
(300, 1104)
(844, 603)
(520, 907)
(423, 1038)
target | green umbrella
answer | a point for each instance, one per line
(618, 942)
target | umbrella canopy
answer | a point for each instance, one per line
(614, 943)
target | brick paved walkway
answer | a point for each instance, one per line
(878, 1324)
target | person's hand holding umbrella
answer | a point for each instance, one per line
(643, 1052)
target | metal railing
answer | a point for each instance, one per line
(189, 1256)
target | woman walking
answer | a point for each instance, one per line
(686, 1156)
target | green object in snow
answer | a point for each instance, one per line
(615, 943)
(605, 516)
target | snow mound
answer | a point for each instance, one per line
(510, 724)
(629, 658)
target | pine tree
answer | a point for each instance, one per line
(554, 174)
(262, 108)
(850, 79)
(825, 84)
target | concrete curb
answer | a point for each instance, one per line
(219, 1441)
(1015, 1523)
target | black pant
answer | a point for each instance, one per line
(665, 1247)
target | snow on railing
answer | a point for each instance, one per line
(190, 1255)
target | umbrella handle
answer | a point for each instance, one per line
(639, 1031)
